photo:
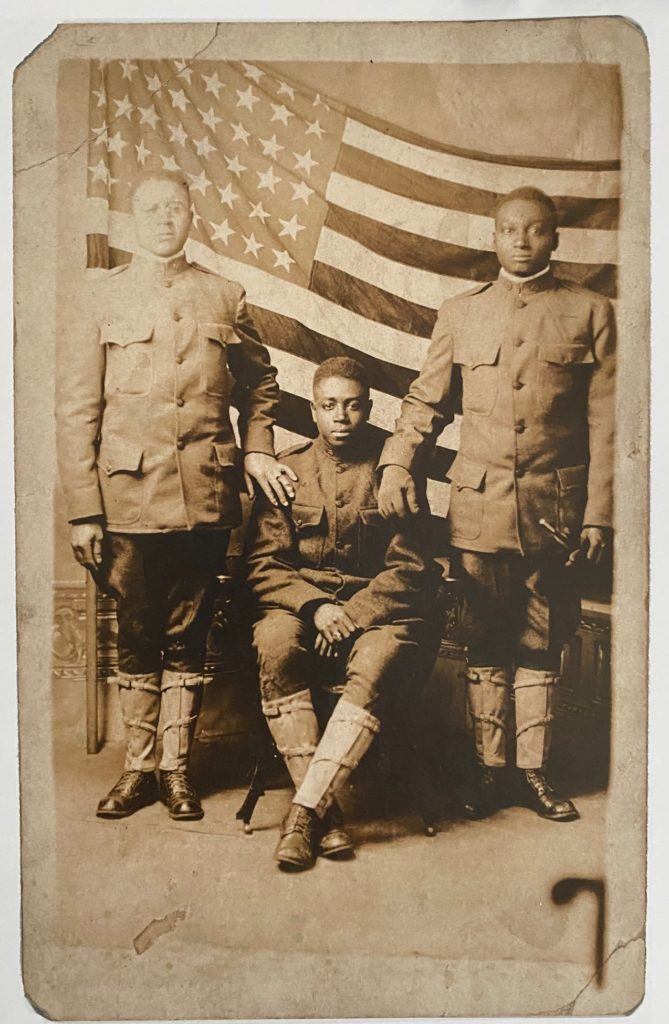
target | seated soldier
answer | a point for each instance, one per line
(343, 596)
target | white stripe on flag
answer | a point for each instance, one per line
(577, 245)
(410, 283)
(291, 300)
(483, 174)
(295, 377)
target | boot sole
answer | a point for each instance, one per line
(115, 815)
(293, 865)
(568, 816)
(192, 816)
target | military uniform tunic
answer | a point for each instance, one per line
(332, 545)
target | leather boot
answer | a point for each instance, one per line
(540, 797)
(335, 842)
(181, 702)
(132, 791)
(177, 793)
(484, 795)
(347, 737)
(300, 833)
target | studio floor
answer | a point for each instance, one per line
(161, 919)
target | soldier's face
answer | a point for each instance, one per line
(524, 238)
(340, 409)
(162, 217)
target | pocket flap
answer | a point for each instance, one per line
(226, 453)
(125, 332)
(464, 473)
(472, 354)
(566, 354)
(306, 515)
(572, 476)
(120, 457)
(371, 516)
(223, 333)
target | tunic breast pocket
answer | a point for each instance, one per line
(480, 376)
(564, 370)
(373, 538)
(129, 357)
(310, 526)
(213, 340)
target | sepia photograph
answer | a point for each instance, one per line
(332, 363)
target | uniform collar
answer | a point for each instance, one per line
(352, 454)
(538, 282)
(157, 268)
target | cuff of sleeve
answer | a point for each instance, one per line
(598, 517)
(85, 504)
(258, 439)
(362, 611)
(395, 454)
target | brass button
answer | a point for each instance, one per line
(108, 467)
(167, 284)
(518, 342)
(520, 473)
(519, 427)
(179, 360)
(518, 384)
(340, 544)
(180, 401)
(340, 502)
(520, 303)
(298, 521)
(176, 317)
(340, 469)
(181, 444)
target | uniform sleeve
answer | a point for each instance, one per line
(407, 586)
(257, 392)
(427, 408)
(80, 368)
(273, 562)
(601, 414)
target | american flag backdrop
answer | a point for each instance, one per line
(346, 232)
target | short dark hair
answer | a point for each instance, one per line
(158, 175)
(534, 195)
(342, 366)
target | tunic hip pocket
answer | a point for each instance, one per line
(213, 341)
(572, 494)
(465, 512)
(310, 526)
(121, 482)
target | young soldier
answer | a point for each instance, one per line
(342, 596)
(536, 358)
(147, 462)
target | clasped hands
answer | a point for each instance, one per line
(333, 626)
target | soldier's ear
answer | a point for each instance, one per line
(556, 240)
(370, 403)
(313, 411)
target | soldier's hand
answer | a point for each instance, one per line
(397, 493)
(86, 540)
(594, 540)
(325, 649)
(272, 477)
(333, 623)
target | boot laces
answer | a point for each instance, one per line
(129, 782)
(178, 786)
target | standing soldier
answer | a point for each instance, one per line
(531, 482)
(147, 460)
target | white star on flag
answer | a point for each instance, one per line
(101, 95)
(214, 84)
(124, 107)
(270, 147)
(227, 195)
(291, 227)
(177, 134)
(222, 231)
(196, 218)
(183, 71)
(247, 98)
(268, 179)
(285, 89)
(301, 191)
(241, 134)
(282, 259)
(100, 134)
(116, 144)
(204, 147)
(251, 71)
(259, 211)
(210, 118)
(234, 165)
(281, 113)
(253, 246)
(142, 152)
(169, 163)
(315, 129)
(148, 115)
(100, 171)
(153, 83)
(199, 182)
(179, 98)
(318, 102)
(128, 69)
(304, 162)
